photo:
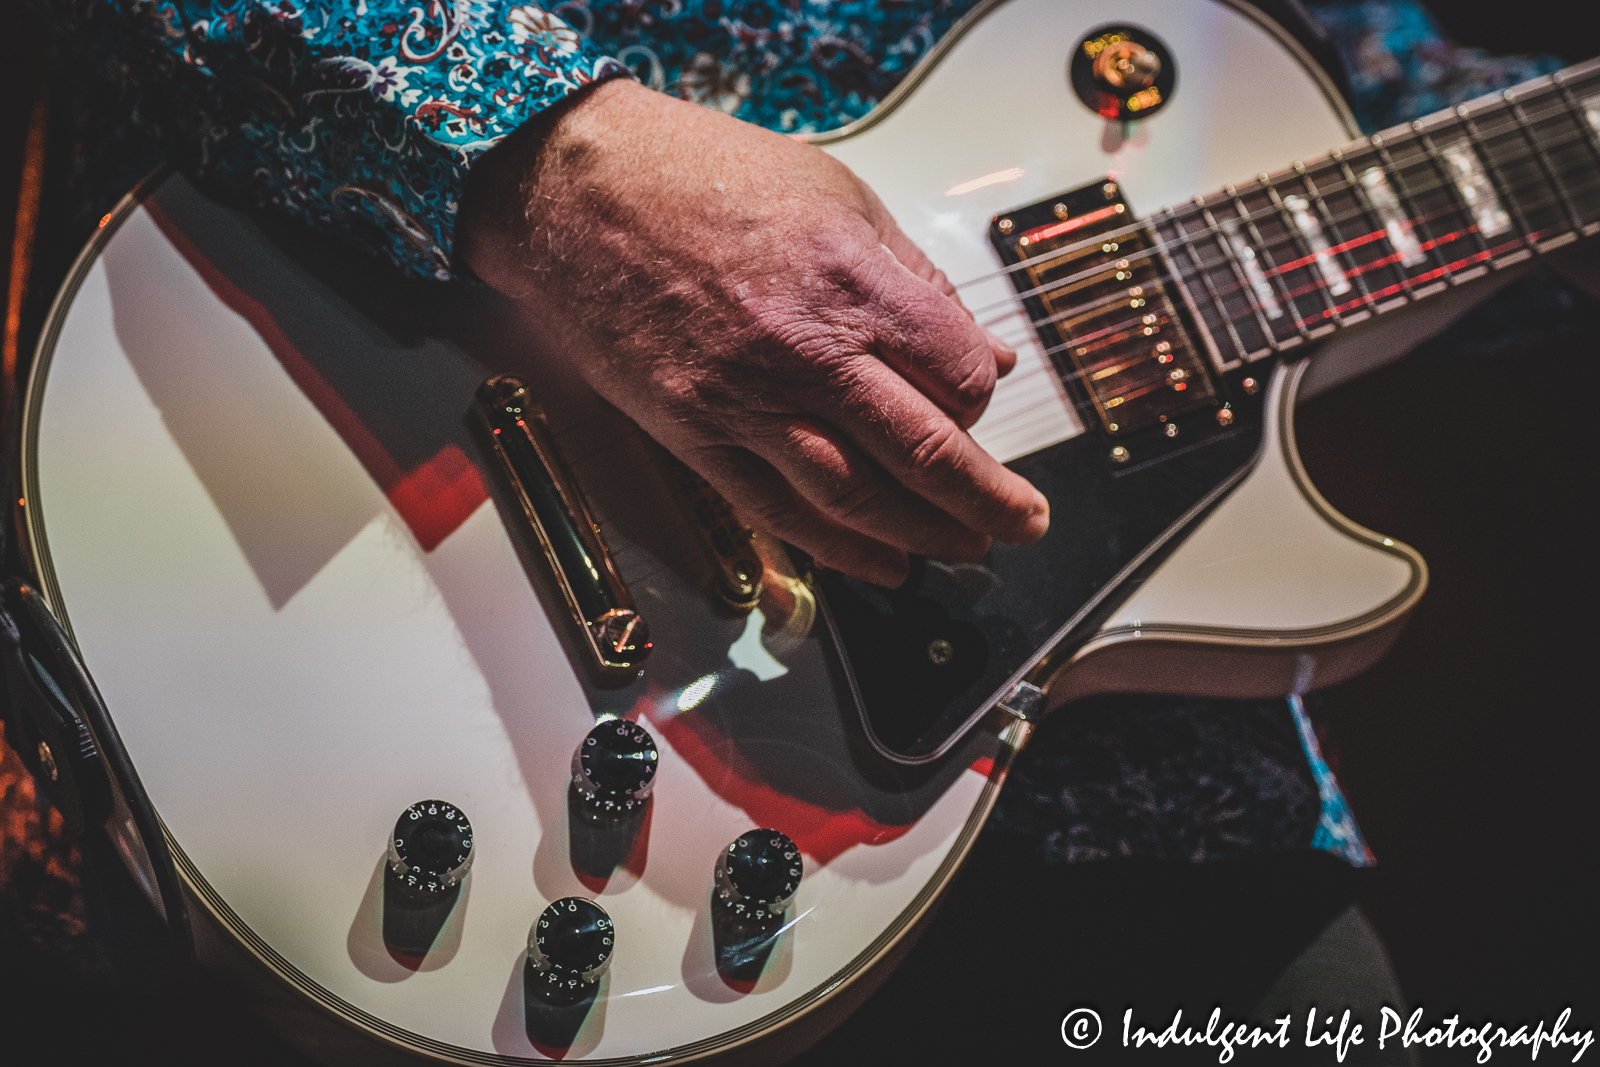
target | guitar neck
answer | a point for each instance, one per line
(1381, 223)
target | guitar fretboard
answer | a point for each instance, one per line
(1404, 214)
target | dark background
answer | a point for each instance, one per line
(1467, 755)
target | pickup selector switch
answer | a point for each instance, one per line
(569, 949)
(430, 850)
(757, 875)
(614, 768)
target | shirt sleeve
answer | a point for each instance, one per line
(358, 117)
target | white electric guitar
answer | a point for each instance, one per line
(267, 515)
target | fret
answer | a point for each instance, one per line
(1270, 264)
(1285, 297)
(1219, 316)
(1355, 272)
(1246, 295)
(1585, 118)
(1446, 173)
(1514, 106)
(1306, 234)
(1245, 256)
(1376, 267)
(1582, 153)
(1474, 164)
(1294, 271)
(1392, 172)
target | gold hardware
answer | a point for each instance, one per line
(615, 635)
(47, 760)
(1119, 454)
(1061, 211)
(1172, 429)
(1109, 189)
(1006, 225)
(1251, 386)
(724, 540)
(1127, 67)
(1224, 417)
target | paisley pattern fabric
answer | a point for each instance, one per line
(356, 116)
(799, 66)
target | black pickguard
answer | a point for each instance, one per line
(996, 617)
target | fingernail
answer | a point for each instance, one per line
(889, 570)
(995, 340)
(1038, 521)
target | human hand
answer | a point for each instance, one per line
(753, 307)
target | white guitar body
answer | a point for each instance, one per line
(291, 663)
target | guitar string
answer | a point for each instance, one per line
(1135, 321)
(1289, 182)
(1227, 269)
(1299, 181)
(1197, 239)
(1410, 138)
(1230, 286)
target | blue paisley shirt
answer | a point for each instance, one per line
(363, 116)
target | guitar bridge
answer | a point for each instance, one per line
(1096, 289)
(614, 633)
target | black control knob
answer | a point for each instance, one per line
(569, 947)
(758, 874)
(614, 768)
(430, 849)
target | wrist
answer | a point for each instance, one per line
(494, 217)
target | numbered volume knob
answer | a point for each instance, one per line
(431, 848)
(570, 943)
(615, 765)
(758, 874)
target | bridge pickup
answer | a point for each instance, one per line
(1096, 289)
(613, 631)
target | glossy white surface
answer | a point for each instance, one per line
(1265, 560)
(279, 741)
(1000, 104)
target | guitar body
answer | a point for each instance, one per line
(253, 500)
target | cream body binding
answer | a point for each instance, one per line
(289, 669)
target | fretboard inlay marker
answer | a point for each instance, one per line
(1395, 223)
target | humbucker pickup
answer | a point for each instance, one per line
(1095, 287)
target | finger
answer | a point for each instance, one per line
(909, 253)
(1005, 357)
(920, 447)
(931, 342)
(851, 490)
(766, 500)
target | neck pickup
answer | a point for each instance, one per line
(1097, 289)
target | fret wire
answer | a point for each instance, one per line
(1302, 245)
(1355, 273)
(1180, 276)
(1359, 191)
(1575, 109)
(1539, 157)
(1492, 169)
(1231, 258)
(1387, 165)
(1175, 274)
(1351, 183)
(1447, 183)
(1205, 277)
(1274, 275)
